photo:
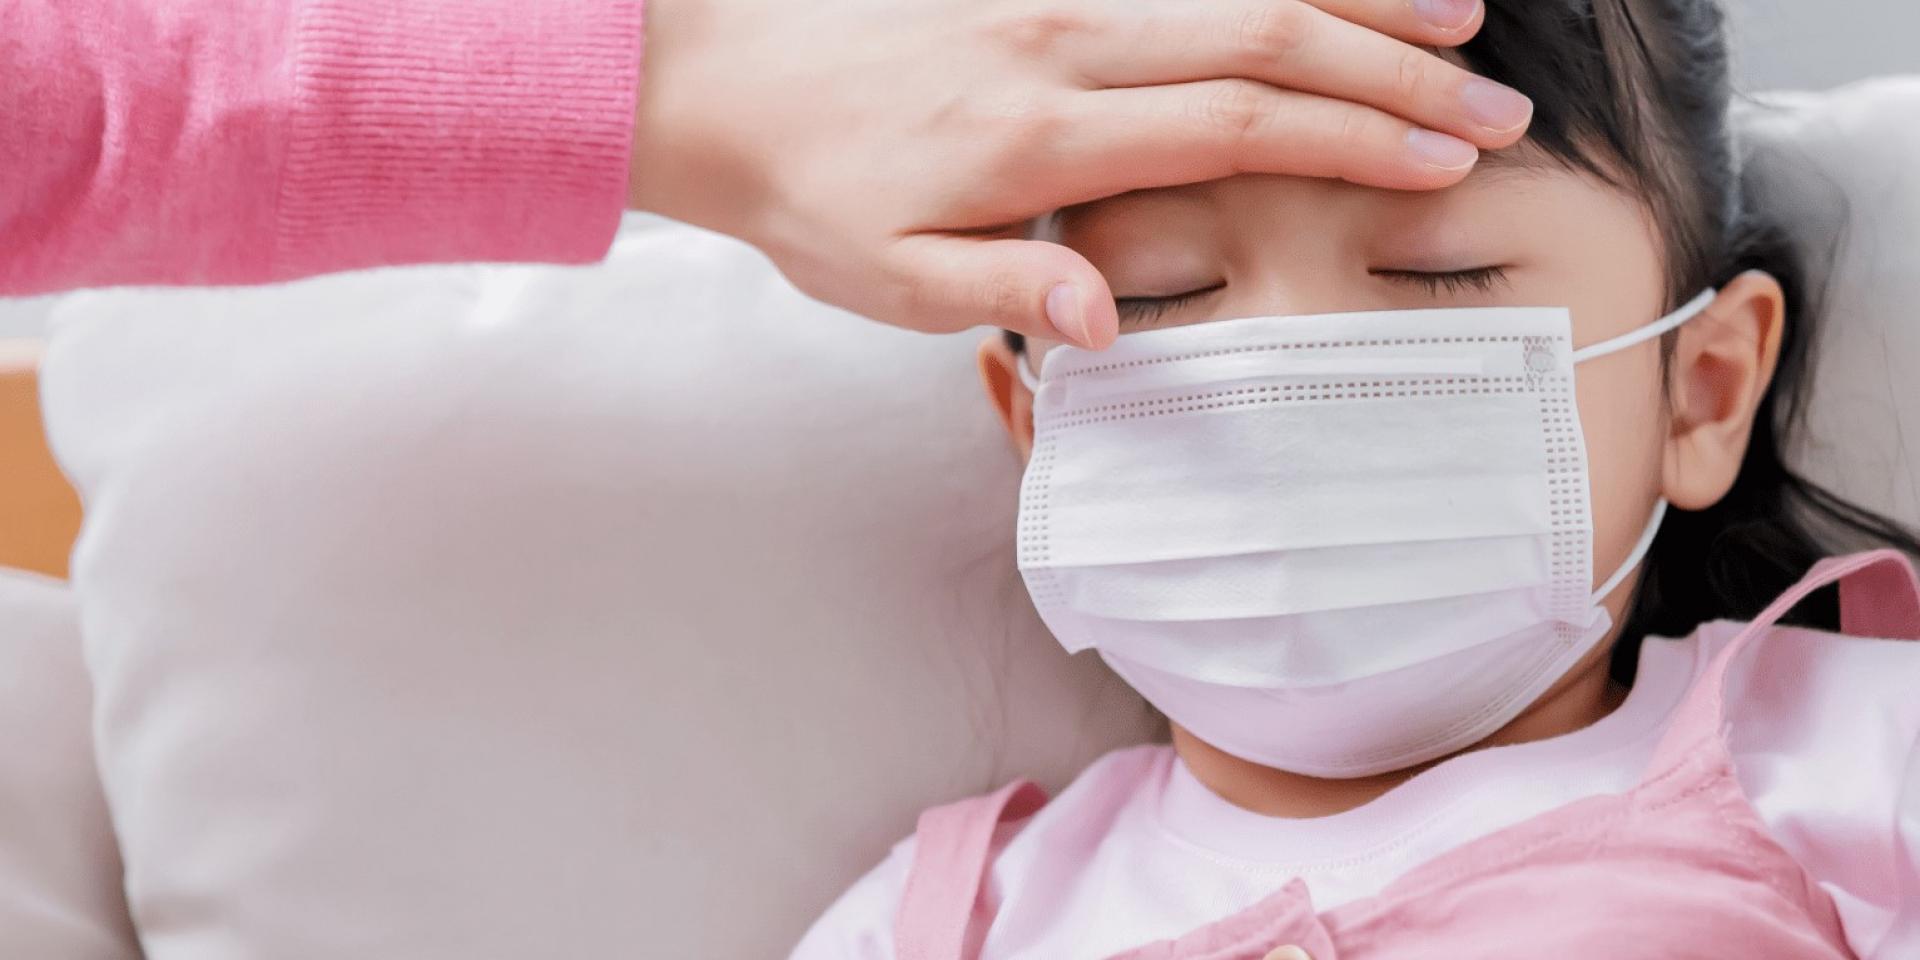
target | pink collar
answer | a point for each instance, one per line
(1605, 757)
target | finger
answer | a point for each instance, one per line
(1298, 46)
(947, 282)
(1433, 23)
(1145, 29)
(1115, 141)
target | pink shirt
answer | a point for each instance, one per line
(1137, 850)
(240, 141)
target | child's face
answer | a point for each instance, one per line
(1518, 232)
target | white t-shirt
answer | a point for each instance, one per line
(1825, 731)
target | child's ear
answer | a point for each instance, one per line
(1011, 398)
(1722, 365)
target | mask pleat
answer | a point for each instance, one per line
(1276, 583)
(1312, 649)
(1246, 481)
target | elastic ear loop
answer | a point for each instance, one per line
(1638, 554)
(1027, 376)
(1671, 321)
(1651, 330)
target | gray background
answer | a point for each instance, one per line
(1823, 43)
(1809, 44)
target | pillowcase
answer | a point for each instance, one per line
(1841, 172)
(510, 612)
(628, 610)
(59, 872)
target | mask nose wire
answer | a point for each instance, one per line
(1671, 321)
(1648, 332)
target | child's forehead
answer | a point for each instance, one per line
(1525, 160)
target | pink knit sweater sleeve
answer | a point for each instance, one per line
(243, 141)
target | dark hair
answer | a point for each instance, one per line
(1638, 94)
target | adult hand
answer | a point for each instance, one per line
(885, 153)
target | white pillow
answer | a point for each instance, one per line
(1842, 171)
(522, 612)
(628, 611)
(59, 872)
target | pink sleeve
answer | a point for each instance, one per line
(243, 141)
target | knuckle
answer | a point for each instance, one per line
(1017, 111)
(1411, 76)
(1275, 29)
(1015, 125)
(1039, 33)
(1234, 108)
(1004, 296)
(1356, 129)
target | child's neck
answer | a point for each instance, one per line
(1575, 702)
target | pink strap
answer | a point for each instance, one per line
(1879, 597)
(941, 916)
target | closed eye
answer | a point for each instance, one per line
(1477, 279)
(1138, 311)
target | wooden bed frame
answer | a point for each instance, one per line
(39, 511)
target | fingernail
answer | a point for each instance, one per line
(1447, 14)
(1067, 314)
(1498, 107)
(1440, 150)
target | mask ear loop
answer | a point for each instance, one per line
(1671, 321)
(1027, 376)
(1648, 332)
(1638, 554)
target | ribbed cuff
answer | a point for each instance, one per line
(457, 130)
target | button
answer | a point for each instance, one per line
(1288, 952)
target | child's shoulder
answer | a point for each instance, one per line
(1823, 728)
(1819, 689)
(1118, 785)
(1809, 665)
(859, 926)
(1109, 785)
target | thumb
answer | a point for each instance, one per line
(1031, 287)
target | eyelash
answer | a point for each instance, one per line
(1139, 310)
(1478, 279)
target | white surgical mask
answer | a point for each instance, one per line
(1335, 545)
